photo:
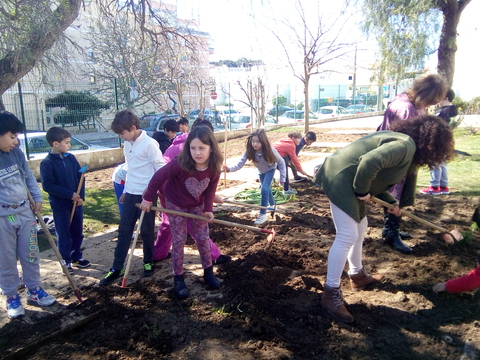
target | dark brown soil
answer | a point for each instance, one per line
(269, 304)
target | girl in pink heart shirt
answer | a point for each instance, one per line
(188, 184)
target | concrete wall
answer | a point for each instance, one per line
(97, 159)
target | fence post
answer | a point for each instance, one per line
(116, 106)
(22, 112)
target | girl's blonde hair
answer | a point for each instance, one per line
(427, 90)
(267, 151)
(205, 135)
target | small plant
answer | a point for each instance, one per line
(153, 332)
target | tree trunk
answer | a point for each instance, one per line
(452, 10)
(307, 107)
(20, 62)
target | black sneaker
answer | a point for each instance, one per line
(81, 263)
(222, 259)
(148, 269)
(111, 276)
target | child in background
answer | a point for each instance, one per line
(286, 147)
(118, 177)
(439, 174)
(165, 137)
(266, 159)
(17, 222)
(60, 177)
(309, 138)
(188, 184)
(143, 158)
(163, 242)
(183, 125)
(467, 282)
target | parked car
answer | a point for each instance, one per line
(157, 123)
(38, 146)
(358, 109)
(242, 121)
(366, 99)
(280, 110)
(331, 111)
(153, 119)
(161, 123)
(295, 116)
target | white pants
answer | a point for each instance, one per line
(347, 245)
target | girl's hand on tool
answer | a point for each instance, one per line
(396, 210)
(145, 206)
(364, 198)
(209, 215)
(217, 199)
(225, 168)
(80, 202)
(75, 197)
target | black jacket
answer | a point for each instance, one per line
(163, 141)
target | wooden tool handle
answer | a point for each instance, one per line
(198, 217)
(54, 247)
(244, 204)
(410, 215)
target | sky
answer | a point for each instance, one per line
(238, 34)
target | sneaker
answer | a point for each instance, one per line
(289, 192)
(431, 190)
(222, 259)
(81, 263)
(299, 179)
(444, 190)
(261, 219)
(148, 269)
(70, 270)
(111, 276)
(39, 297)
(14, 307)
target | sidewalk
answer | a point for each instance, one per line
(99, 249)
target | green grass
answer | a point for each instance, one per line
(100, 213)
(463, 171)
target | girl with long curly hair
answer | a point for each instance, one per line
(369, 167)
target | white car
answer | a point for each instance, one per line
(295, 116)
(326, 112)
(242, 121)
(39, 147)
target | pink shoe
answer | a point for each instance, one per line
(431, 190)
(444, 190)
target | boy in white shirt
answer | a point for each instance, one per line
(143, 158)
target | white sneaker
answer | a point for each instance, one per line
(14, 307)
(39, 297)
(261, 219)
(289, 192)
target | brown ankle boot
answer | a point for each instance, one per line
(361, 280)
(332, 300)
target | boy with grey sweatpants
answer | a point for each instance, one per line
(17, 222)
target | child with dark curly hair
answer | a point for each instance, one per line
(368, 167)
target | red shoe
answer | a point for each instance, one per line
(444, 190)
(431, 190)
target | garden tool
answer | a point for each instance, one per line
(270, 237)
(63, 264)
(450, 237)
(271, 209)
(132, 249)
(83, 170)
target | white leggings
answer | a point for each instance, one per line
(347, 245)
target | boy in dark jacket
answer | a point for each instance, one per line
(60, 176)
(164, 139)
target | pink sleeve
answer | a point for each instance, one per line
(157, 181)
(464, 283)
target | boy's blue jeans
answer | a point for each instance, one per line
(266, 191)
(69, 236)
(130, 214)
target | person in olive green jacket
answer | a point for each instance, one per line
(369, 167)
